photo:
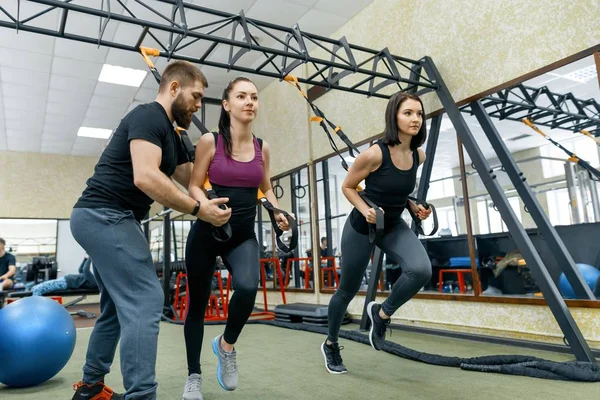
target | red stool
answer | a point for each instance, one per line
(461, 278)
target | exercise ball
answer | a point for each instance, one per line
(37, 339)
(590, 275)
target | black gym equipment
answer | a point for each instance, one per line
(368, 72)
(309, 314)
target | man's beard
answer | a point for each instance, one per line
(181, 114)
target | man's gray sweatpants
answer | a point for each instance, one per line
(131, 299)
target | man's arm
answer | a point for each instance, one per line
(182, 174)
(12, 269)
(148, 177)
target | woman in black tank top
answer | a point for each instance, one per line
(389, 169)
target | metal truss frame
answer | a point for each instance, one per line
(350, 67)
(542, 107)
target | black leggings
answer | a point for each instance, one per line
(240, 255)
(401, 244)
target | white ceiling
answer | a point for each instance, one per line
(49, 86)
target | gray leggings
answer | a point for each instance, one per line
(402, 245)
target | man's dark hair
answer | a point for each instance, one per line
(183, 72)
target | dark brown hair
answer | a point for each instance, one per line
(390, 135)
(224, 118)
(183, 72)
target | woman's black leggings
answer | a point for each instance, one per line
(241, 257)
(401, 244)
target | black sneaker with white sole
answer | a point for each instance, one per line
(333, 359)
(378, 325)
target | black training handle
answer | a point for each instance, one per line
(376, 230)
(220, 233)
(278, 231)
(418, 222)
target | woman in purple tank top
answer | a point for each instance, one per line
(237, 165)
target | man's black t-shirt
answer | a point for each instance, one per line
(6, 260)
(112, 185)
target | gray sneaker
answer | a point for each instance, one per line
(193, 385)
(227, 373)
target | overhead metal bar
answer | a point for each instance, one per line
(542, 107)
(285, 48)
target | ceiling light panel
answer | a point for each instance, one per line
(122, 75)
(96, 133)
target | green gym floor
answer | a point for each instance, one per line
(277, 363)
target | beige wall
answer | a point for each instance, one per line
(37, 185)
(475, 48)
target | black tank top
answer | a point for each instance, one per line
(389, 188)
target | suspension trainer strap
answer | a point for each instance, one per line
(376, 231)
(592, 172)
(418, 222)
(262, 199)
(220, 233)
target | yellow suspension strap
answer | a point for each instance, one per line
(588, 134)
(375, 231)
(592, 172)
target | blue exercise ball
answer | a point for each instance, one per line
(37, 339)
(590, 275)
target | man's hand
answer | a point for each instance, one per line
(211, 212)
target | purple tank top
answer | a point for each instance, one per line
(226, 171)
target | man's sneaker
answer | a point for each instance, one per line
(97, 391)
(333, 359)
(378, 325)
(193, 385)
(227, 373)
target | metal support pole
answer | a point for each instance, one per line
(174, 234)
(260, 238)
(376, 267)
(555, 301)
(168, 311)
(296, 213)
(572, 189)
(327, 201)
(467, 206)
(594, 199)
(583, 187)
